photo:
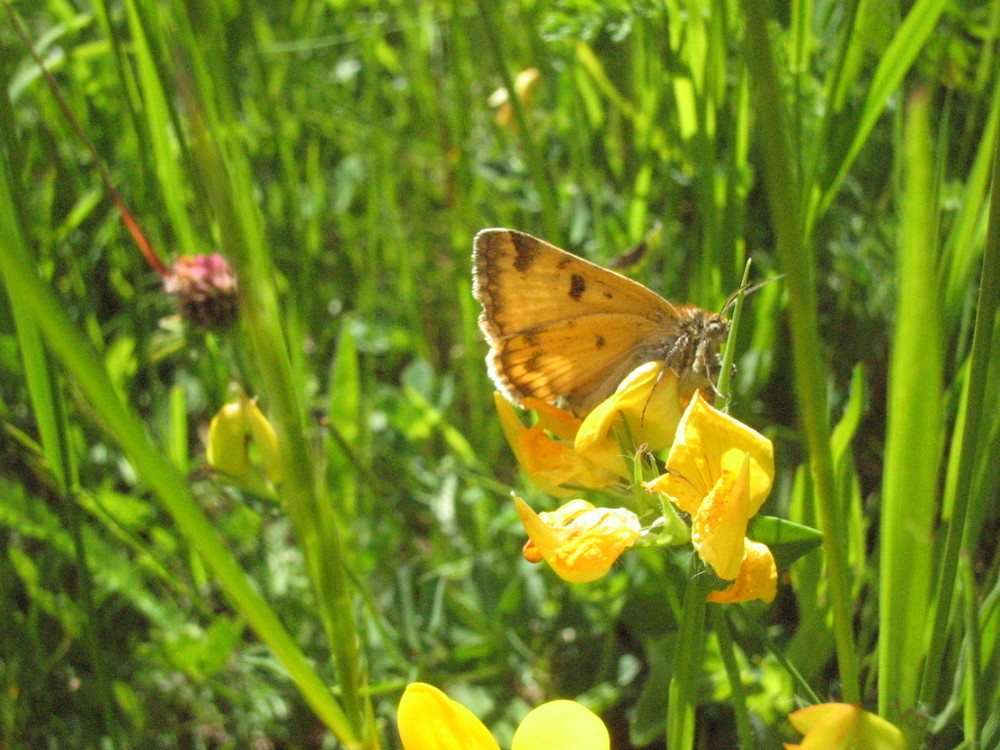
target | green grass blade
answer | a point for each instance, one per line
(914, 433)
(162, 139)
(893, 65)
(796, 254)
(973, 396)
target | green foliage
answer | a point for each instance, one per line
(342, 155)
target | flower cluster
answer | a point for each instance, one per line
(205, 289)
(718, 471)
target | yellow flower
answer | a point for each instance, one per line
(233, 430)
(647, 403)
(551, 463)
(430, 720)
(579, 542)
(720, 471)
(844, 726)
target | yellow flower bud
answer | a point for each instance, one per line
(233, 430)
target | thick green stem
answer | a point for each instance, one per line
(796, 253)
(683, 693)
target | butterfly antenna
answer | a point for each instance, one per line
(745, 290)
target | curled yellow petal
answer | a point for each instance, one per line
(238, 426)
(647, 403)
(578, 541)
(757, 577)
(720, 525)
(430, 720)
(561, 725)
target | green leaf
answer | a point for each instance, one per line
(787, 541)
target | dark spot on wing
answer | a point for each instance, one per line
(577, 286)
(526, 251)
(563, 262)
(530, 337)
(598, 341)
(608, 295)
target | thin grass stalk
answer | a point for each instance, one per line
(802, 686)
(311, 509)
(720, 626)
(913, 434)
(894, 63)
(972, 703)
(74, 352)
(973, 397)
(682, 698)
(158, 112)
(225, 171)
(796, 255)
(122, 71)
(536, 163)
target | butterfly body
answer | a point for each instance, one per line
(567, 331)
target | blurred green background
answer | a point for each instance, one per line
(343, 154)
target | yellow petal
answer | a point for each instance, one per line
(552, 465)
(757, 579)
(430, 720)
(525, 82)
(227, 441)
(561, 725)
(677, 490)
(709, 442)
(578, 541)
(647, 402)
(806, 718)
(720, 525)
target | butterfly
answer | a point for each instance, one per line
(567, 331)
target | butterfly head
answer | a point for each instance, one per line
(694, 354)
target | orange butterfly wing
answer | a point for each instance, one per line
(560, 328)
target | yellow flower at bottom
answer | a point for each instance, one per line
(844, 726)
(578, 541)
(430, 720)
